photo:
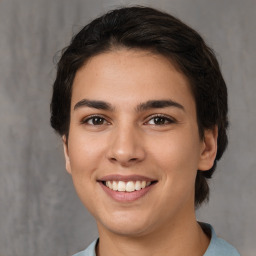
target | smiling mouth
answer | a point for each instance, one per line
(129, 186)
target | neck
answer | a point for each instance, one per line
(180, 237)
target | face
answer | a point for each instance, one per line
(134, 148)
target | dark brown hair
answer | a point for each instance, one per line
(149, 29)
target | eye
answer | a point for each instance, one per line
(95, 120)
(160, 120)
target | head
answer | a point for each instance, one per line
(142, 28)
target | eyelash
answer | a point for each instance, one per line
(86, 120)
(165, 118)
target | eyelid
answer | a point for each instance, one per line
(87, 118)
(167, 117)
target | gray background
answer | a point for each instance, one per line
(39, 211)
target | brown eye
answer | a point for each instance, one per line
(160, 120)
(95, 120)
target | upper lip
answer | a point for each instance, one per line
(118, 177)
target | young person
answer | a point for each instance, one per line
(141, 105)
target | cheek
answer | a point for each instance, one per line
(84, 152)
(178, 155)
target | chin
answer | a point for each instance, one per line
(126, 226)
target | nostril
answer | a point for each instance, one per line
(129, 160)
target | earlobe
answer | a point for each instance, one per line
(66, 154)
(209, 149)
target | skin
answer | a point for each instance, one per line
(127, 141)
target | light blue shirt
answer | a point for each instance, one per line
(217, 247)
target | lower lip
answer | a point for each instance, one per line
(126, 196)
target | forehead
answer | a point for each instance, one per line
(125, 77)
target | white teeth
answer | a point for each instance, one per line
(137, 185)
(109, 184)
(114, 185)
(121, 186)
(129, 186)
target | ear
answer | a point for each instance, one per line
(66, 154)
(209, 149)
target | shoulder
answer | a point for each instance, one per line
(89, 251)
(219, 246)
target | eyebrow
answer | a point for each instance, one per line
(151, 104)
(98, 104)
(158, 104)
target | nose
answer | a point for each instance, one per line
(126, 146)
